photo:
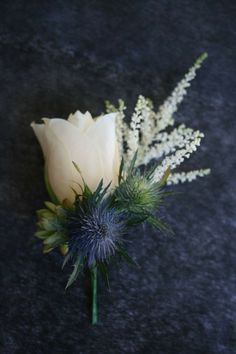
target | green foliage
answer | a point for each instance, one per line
(74, 275)
(51, 226)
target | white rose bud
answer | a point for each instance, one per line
(90, 143)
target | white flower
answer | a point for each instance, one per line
(90, 143)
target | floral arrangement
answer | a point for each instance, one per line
(105, 176)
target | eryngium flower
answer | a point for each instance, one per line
(94, 232)
(138, 194)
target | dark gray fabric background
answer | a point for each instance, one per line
(59, 56)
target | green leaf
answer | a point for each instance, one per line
(98, 190)
(44, 213)
(160, 225)
(85, 187)
(102, 194)
(136, 219)
(66, 260)
(51, 207)
(54, 240)
(74, 275)
(42, 234)
(48, 224)
(150, 172)
(132, 164)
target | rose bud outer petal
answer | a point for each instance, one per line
(57, 161)
(103, 134)
(80, 120)
(59, 167)
(83, 151)
(39, 130)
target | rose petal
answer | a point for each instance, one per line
(83, 151)
(102, 133)
(80, 120)
(59, 166)
(40, 134)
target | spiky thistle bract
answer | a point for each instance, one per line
(138, 194)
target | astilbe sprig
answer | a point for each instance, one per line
(150, 132)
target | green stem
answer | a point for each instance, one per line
(94, 295)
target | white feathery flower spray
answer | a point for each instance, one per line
(190, 176)
(133, 136)
(147, 133)
(164, 116)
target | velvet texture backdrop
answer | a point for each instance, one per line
(59, 56)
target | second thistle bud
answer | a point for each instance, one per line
(138, 194)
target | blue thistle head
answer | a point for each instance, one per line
(94, 231)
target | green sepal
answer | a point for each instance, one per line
(66, 260)
(85, 188)
(159, 224)
(64, 249)
(100, 192)
(136, 218)
(52, 207)
(132, 164)
(54, 240)
(43, 213)
(47, 224)
(42, 234)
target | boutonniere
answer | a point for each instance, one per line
(105, 176)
